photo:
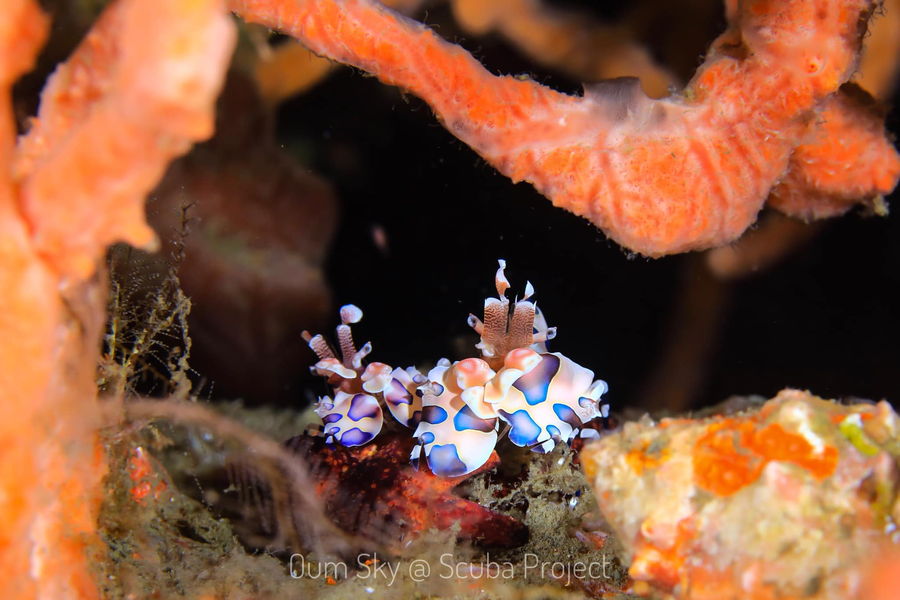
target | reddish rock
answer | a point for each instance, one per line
(373, 491)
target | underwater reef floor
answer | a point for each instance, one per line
(787, 498)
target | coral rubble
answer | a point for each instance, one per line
(787, 501)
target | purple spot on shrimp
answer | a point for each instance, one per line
(363, 406)
(356, 437)
(434, 414)
(524, 431)
(396, 393)
(535, 383)
(567, 415)
(444, 461)
(427, 437)
(465, 419)
(332, 418)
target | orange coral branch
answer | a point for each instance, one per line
(137, 92)
(290, 68)
(843, 161)
(658, 177)
(29, 308)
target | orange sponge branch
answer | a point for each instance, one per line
(137, 92)
(658, 176)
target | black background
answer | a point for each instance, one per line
(825, 318)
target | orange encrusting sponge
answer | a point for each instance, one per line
(723, 468)
(786, 500)
(658, 176)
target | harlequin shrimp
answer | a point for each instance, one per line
(455, 411)
(354, 415)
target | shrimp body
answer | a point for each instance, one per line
(545, 397)
(455, 411)
(401, 397)
(351, 419)
(548, 404)
(453, 438)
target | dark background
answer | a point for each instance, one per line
(825, 318)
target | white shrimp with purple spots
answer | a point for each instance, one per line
(454, 439)
(544, 397)
(350, 419)
(550, 403)
(401, 398)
